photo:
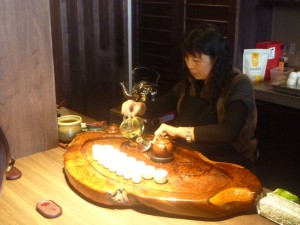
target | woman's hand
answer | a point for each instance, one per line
(166, 131)
(131, 108)
(172, 132)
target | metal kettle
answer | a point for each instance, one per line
(145, 85)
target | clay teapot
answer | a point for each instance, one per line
(162, 147)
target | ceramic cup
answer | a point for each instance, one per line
(160, 176)
(68, 127)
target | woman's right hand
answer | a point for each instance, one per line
(131, 108)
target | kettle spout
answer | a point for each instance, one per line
(126, 93)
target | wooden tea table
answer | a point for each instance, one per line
(196, 186)
(44, 179)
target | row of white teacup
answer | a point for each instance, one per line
(293, 79)
(118, 162)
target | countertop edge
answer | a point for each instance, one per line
(263, 92)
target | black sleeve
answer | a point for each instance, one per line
(163, 104)
(228, 130)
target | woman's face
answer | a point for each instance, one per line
(199, 65)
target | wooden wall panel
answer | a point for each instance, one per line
(90, 54)
(27, 91)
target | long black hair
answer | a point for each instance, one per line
(207, 39)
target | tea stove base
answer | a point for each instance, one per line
(157, 159)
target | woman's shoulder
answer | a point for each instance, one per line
(240, 86)
(241, 79)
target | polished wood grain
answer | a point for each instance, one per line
(43, 178)
(196, 186)
(27, 90)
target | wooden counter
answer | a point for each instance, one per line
(43, 178)
(263, 92)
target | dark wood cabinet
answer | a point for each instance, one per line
(277, 131)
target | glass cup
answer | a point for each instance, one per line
(132, 127)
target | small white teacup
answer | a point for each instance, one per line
(160, 176)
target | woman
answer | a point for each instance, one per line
(216, 112)
(4, 157)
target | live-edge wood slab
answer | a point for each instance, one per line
(196, 186)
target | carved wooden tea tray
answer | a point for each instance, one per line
(196, 186)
